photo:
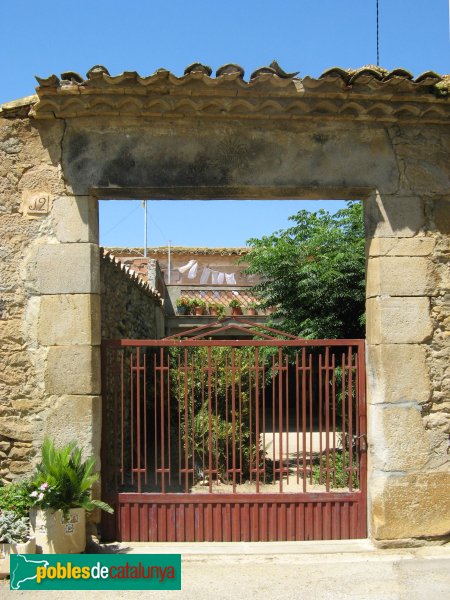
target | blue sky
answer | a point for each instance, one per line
(303, 35)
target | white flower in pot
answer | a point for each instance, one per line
(61, 490)
(15, 538)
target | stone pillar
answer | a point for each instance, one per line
(65, 276)
(407, 485)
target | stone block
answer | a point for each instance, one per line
(15, 428)
(73, 370)
(69, 319)
(398, 276)
(397, 373)
(393, 216)
(441, 215)
(410, 506)
(65, 269)
(398, 320)
(75, 219)
(17, 453)
(76, 418)
(19, 467)
(398, 440)
(417, 246)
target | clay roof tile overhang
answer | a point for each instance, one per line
(369, 94)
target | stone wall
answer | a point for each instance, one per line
(383, 139)
(130, 308)
(36, 267)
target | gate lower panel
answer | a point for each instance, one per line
(239, 517)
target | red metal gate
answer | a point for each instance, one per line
(253, 439)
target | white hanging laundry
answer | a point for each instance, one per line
(193, 271)
(205, 275)
(221, 278)
(215, 276)
(186, 267)
(230, 278)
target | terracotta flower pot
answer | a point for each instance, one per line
(199, 310)
(236, 311)
(252, 312)
(56, 535)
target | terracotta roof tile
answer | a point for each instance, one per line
(288, 95)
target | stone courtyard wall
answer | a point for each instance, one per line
(130, 308)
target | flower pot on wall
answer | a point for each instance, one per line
(236, 311)
(6, 550)
(56, 534)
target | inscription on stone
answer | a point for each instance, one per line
(38, 204)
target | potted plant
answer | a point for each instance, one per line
(15, 538)
(61, 492)
(252, 308)
(216, 309)
(236, 307)
(183, 304)
(199, 306)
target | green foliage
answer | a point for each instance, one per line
(16, 497)
(219, 308)
(235, 303)
(339, 476)
(314, 272)
(14, 528)
(219, 390)
(63, 480)
(198, 303)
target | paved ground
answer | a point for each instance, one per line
(289, 571)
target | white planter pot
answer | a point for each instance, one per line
(57, 535)
(7, 549)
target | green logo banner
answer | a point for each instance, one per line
(95, 572)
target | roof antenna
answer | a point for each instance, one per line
(378, 34)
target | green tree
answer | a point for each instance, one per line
(314, 273)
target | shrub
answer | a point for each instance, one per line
(339, 476)
(63, 480)
(14, 529)
(16, 497)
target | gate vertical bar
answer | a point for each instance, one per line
(363, 447)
